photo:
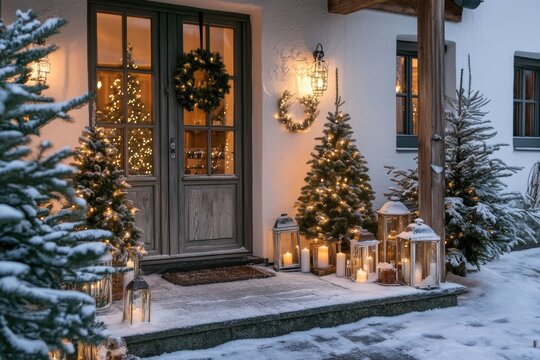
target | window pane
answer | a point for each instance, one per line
(222, 41)
(517, 84)
(400, 75)
(139, 42)
(191, 37)
(109, 99)
(139, 98)
(196, 145)
(223, 152)
(530, 84)
(195, 117)
(517, 118)
(530, 110)
(116, 138)
(109, 39)
(400, 115)
(223, 115)
(414, 81)
(140, 152)
(414, 116)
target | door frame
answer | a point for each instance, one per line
(166, 106)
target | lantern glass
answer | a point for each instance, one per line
(286, 244)
(137, 301)
(323, 254)
(393, 218)
(101, 290)
(86, 352)
(364, 259)
(420, 256)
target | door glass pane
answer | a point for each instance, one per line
(139, 42)
(223, 152)
(139, 98)
(222, 41)
(529, 119)
(196, 147)
(517, 118)
(517, 84)
(191, 37)
(109, 97)
(400, 75)
(223, 115)
(195, 117)
(109, 39)
(530, 84)
(414, 73)
(116, 138)
(414, 116)
(400, 115)
(140, 151)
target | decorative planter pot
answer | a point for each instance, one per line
(118, 282)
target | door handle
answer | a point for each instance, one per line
(172, 148)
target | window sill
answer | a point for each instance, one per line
(407, 143)
(527, 143)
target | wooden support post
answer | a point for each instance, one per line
(431, 185)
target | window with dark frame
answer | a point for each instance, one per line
(526, 97)
(407, 94)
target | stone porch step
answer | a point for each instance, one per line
(216, 333)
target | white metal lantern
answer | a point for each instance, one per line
(286, 244)
(364, 260)
(137, 301)
(420, 256)
(101, 290)
(319, 72)
(393, 217)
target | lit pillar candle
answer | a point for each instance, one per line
(305, 260)
(322, 256)
(432, 269)
(361, 276)
(340, 264)
(405, 265)
(371, 268)
(287, 259)
(417, 274)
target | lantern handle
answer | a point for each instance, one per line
(318, 55)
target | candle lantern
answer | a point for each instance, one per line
(393, 218)
(286, 244)
(57, 355)
(364, 259)
(137, 301)
(420, 256)
(319, 72)
(101, 290)
(323, 257)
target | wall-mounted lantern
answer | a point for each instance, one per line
(319, 72)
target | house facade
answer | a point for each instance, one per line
(210, 186)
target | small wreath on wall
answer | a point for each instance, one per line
(201, 80)
(311, 110)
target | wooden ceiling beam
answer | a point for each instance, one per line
(405, 7)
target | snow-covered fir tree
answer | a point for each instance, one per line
(337, 196)
(102, 184)
(43, 254)
(482, 219)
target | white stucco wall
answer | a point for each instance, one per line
(362, 45)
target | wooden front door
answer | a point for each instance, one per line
(189, 171)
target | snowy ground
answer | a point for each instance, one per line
(498, 319)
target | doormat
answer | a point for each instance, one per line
(214, 276)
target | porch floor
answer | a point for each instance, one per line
(207, 315)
